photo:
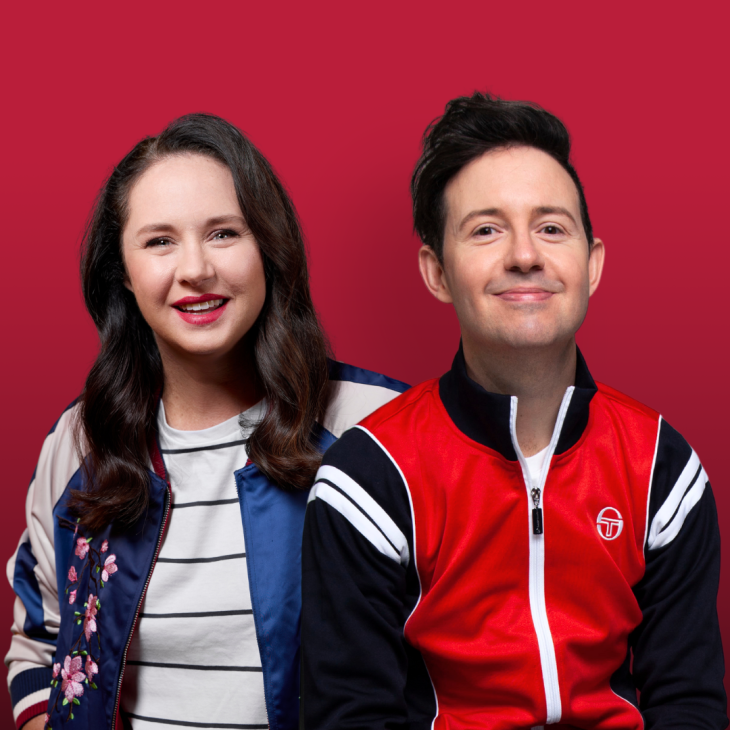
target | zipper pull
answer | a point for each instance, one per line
(536, 512)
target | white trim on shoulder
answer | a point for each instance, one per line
(671, 515)
(368, 505)
(651, 480)
(325, 493)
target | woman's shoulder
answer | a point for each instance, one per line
(58, 460)
(356, 393)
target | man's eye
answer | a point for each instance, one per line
(485, 231)
(552, 230)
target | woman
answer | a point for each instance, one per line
(158, 580)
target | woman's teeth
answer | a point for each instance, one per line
(201, 306)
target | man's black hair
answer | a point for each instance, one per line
(471, 126)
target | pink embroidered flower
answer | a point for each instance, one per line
(73, 677)
(91, 668)
(82, 547)
(72, 574)
(110, 567)
(56, 670)
(72, 597)
(105, 546)
(89, 620)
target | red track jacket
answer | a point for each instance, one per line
(439, 592)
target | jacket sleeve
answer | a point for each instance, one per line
(31, 572)
(678, 658)
(359, 585)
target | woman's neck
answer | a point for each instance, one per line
(199, 392)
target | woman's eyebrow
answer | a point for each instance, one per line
(215, 221)
(156, 227)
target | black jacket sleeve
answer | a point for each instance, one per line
(359, 585)
(678, 659)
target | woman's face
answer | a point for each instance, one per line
(192, 264)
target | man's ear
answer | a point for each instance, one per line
(596, 259)
(432, 272)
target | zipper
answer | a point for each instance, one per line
(253, 602)
(536, 512)
(536, 528)
(161, 534)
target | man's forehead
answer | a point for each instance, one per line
(509, 181)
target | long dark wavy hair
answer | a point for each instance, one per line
(116, 426)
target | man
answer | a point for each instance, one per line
(511, 545)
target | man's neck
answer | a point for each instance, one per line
(539, 379)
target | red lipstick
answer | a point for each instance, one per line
(184, 307)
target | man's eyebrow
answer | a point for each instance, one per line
(167, 227)
(477, 213)
(554, 210)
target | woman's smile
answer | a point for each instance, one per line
(201, 310)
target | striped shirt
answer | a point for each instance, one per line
(194, 659)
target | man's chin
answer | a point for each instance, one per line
(531, 341)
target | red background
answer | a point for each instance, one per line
(336, 95)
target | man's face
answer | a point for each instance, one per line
(516, 264)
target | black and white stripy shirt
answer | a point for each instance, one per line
(194, 659)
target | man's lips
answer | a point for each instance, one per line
(525, 294)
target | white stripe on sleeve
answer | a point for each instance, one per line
(34, 698)
(395, 546)
(669, 519)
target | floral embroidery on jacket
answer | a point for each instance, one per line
(82, 547)
(72, 678)
(82, 663)
(109, 567)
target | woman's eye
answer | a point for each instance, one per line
(157, 242)
(485, 231)
(222, 235)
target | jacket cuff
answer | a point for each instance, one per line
(29, 692)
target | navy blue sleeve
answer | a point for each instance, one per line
(678, 659)
(359, 585)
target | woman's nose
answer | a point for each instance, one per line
(193, 267)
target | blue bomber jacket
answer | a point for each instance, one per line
(53, 624)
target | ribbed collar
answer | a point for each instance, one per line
(485, 417)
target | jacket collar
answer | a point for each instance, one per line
(485, 417)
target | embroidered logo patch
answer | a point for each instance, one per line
(609, 523)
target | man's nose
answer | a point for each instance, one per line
(193, 266)
(523, 254)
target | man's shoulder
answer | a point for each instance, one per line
(399, 412)
(356, 393)
(625, 404)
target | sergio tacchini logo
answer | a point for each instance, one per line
(609, 523)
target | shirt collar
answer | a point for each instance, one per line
(485, 417)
